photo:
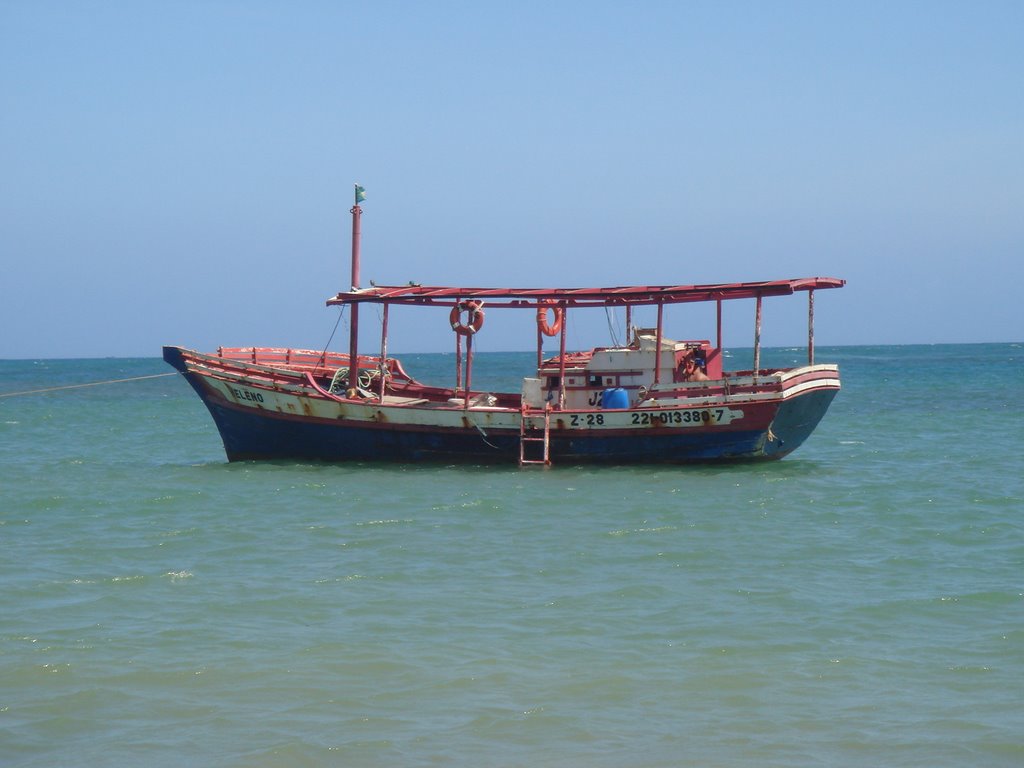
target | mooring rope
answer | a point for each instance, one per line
(88, 384)
(323, 355)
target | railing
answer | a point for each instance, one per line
(277, 355)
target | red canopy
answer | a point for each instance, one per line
(423, 295)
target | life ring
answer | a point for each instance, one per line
(474, 321)
(542, 318)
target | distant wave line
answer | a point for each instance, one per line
(88, 384)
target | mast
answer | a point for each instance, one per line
(353, 339)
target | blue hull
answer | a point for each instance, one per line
(249, 435)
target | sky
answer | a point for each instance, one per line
(182, 173)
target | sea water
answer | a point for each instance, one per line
(859, 603)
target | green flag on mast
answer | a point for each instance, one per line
(360, 194)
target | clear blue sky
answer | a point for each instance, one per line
(181, 172)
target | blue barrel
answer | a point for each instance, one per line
(615, 398)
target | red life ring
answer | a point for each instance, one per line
(542, 318)
(474, 321)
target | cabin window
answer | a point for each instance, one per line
(595, 381)
(552, 382)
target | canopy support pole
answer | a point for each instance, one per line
(458, 362)
(561, 357)
(718, 319)
(469, 370)
(757, 338)
(657, 345)
(810, 327)
(540, 338)
(383, 351)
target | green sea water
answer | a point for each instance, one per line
(859, 603)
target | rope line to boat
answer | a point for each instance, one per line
(613, 331)
(87, 384)
(483, 435)
(323, 355)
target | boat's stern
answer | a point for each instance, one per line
(807, 393)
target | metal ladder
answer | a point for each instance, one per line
(544, 440)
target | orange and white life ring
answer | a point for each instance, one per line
(474, 318)
(542, 318)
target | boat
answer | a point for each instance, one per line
(650, 400)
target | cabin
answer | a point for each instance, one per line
(634, 369)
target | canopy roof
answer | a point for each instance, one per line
(422, 295)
